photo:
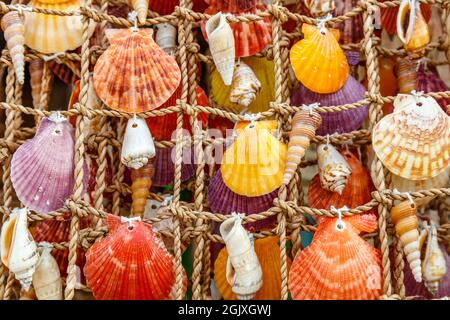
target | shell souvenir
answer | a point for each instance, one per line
(330, 267)
(166, 37)
(14, 30)
(304, 126)
(389, 17)
(140, 188)
(406, 75)
(134, 74)
(319, 8)
(141, 8)
(168, 6)
(130, 263)
(243, 269)
(42, 169)
(268, 253)
(52, 33)
(428, 80)
(318, 61)
(164, 164)
(18, 249)
(351, 29)
(254, 156)
(334, 171)
(63, 72)
(36, 68)
(263, 69)
(414, 141)
(47, 281)
(335, 122)
(245, 85)
(137, 146)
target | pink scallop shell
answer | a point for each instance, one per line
(165, 166)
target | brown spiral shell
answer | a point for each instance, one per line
(140, 188)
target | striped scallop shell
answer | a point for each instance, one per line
(351, 29)
(165, 166)
(168, 6)
(428, 80)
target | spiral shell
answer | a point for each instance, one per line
(14, 30)
(166, 37)
(434, 264)
(140, 188)
(406, 75)
(47, 278)
(36, 69)
(334, 171)
(245, 85)
(141, 8)
(319, 8)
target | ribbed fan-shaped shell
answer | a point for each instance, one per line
(335, 122)
(414, 141)
(134, 74)
(264, 71)
(389, 17)
(130, 263)
(165, 166)
(338, 264)
(351, 29)
(318, 61)
(428, 80)
(268, 253)
(220, 123)
(63, 72)
(168, 6)
(42, 169)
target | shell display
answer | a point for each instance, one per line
(130, 263)
(268, 253)
(54, 33)
(140, 188)
(318, 61)
(134, 74)
(245, 85)
(406, 222)
(164, 164)
(388, 81)
(36, 68)
(254, 156)
(434, 265)
(334, 171)
(406, 75)
(141, 8)
(18, 249)
(319, 8)
(335, 122)
(42, 168)
(243, 269)
(304, 126)
(428, 80)
(166, 37)
(351, 29)
(63, 72)
(137, 146)
(330, 267)
(47, 281)
(414, 141)
(14, 31)
(389, 17)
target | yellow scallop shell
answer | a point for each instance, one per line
(264, 71)
(318, 61)
(270, 125)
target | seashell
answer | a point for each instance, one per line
(254, 156)
(42, 168)
(18, 249)
(36, 68)
(130, 263)
(428, 80)
(140, 188)
(168, 6)
(46, 278)
(224, 125)
(268, 253)
(127, 83)
(330, 267)
(414, 141)
(52, 33)
(434, 265)
(353, 57)
(351, 29)
(335, 122)
(141, 8)
(245, 85)
(243, 270)
(304, 126)
(406, 222)
(334, 171)
(264, 72)
(164, 164)
(166, 37)
(406, 75)
(63, 72)
(29, 294)
(388, 81)
(221, 44)
(14, 30)
(389, 17)
(318, 61)
(417, 35)
(137, 146)
(319, 8)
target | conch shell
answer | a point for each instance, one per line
(406, 75)
(141, 8)
(221, 44)
(47, 278)
(14, 29)
(36, 69)
(166, 37)
(18, 249)
(334, 171)
(245, 85)
(319, 8)
(244, 273)
(138, 145)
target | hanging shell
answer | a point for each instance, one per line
(406, 75)
(166, 37)
(245, 85)
(134, 74)
(389, 17)
(18, 249)
(36, 69)
(434, 264)
(334, 171)
(46, 278)
(243, 270)
(304, 126)
(428, 80)
(42, 169)
(319, 8)
(168, 6)
(165, 165)
(352, 30)
(14, 30)
(138, 146)
(414, 141)
(141, 8)
(318, 61)
(140, 188)
(406, 222)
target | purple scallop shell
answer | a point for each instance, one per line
(335, 122)
(428, 80)
(165, 166)
(42, 168)
(353, 57)
(222, 200)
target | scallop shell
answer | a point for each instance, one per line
(254, 156)
(351, 29)
(36, 68)
(389, 17)
(268, 253)
(406, 75)
(165, 166)
(319, 8)
(47, 278)
(428, 80)
(264, 71)
(245, 85)
(335, 122)
(334, 171)
(130, 263)
(42, 169)
(414, 141)
(52, 33)
(318, 61)
(63, 72)
(168, 6)
(137, 146)
(141, 8)
(14, 31)
(134, 74)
